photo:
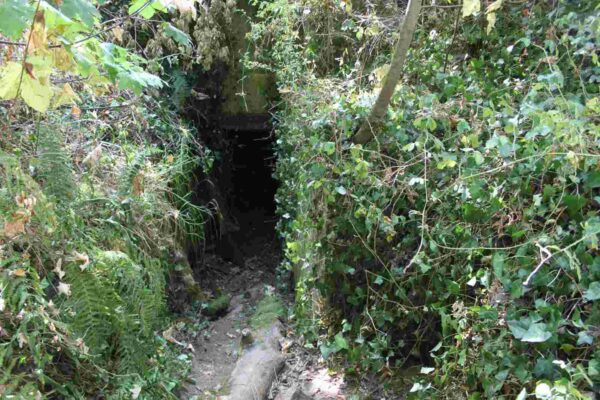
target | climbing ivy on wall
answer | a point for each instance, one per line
(464, 238)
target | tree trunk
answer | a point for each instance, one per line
(379, 110)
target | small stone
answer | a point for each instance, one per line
(300, 395)
(293, 393)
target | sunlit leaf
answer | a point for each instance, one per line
(491, 14)
(65, 96)
(15, 17)
(64, 289)
(185, 6)
(38, 34)
(145, 8)
(10, 76)
(470, 7)
(36, 89)
(340, 342)
(530, 330)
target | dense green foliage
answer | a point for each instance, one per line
(95, 200)
(462, 240)
(465, 236)
(84, 263)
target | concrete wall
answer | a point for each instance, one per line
(245, 93)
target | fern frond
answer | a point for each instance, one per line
(181, 89)
(55, 168)
(130, 171)
(93, 306)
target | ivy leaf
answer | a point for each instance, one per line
(593, 292)
(536, 333)
(470, 7)
(462, 126)
(592, 180)
(80, 10)
(529, 330)
(340, 342)
(554, 80)
(329, 148)
(177, 35)
(584, 338)
(341, 190)
(15, 17)
(326, 350)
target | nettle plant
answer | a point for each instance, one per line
(49, 45)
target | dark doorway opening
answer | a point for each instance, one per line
(249, 188)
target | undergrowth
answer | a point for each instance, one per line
(90, 216)
(464, 238)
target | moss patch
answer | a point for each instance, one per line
(267, 311)
(217, 306)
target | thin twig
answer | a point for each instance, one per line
(8, 42)
(424, 211)
(443, 6)
(549, 255)
(105, 107)
(27, 48)
(452, 42)
(545, 255)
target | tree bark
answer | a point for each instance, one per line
(379, 110)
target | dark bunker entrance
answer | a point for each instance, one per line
(245, 176)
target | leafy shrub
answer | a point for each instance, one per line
(465, 236)
(85, 254)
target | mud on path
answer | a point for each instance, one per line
(217, 344)
(217, 347)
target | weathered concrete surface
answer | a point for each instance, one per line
(245, 92)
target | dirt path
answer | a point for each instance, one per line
(218, 349)
(219, 346)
